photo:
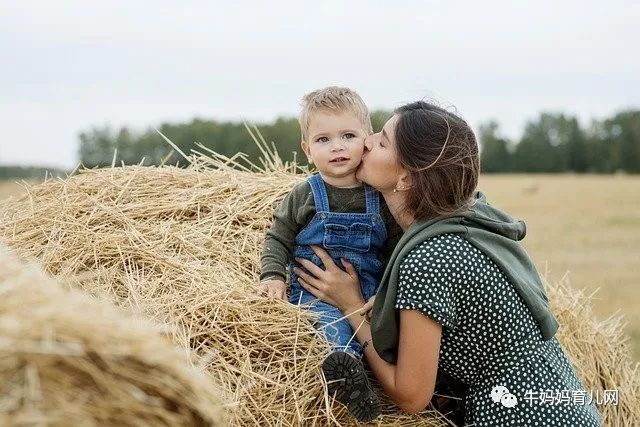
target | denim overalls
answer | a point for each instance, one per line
(356, 237)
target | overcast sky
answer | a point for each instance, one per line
(71, 65)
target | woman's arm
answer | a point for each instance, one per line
(409, 383)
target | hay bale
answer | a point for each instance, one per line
(182, 247)
(599, 351)
(66, 359)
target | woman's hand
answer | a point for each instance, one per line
(331, 285)
(366, 309)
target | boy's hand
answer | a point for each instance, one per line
(273, 288)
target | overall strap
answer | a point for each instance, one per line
(319, 193)
(372, 198)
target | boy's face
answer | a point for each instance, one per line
(335, 142)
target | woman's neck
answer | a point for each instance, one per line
(395, 203)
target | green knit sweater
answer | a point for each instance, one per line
(490, 230)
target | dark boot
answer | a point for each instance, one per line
(347, 380)
(451, 407)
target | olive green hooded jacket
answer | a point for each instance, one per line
(491, 231)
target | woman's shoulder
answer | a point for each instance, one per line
(426, 279)
(441, 259)
(447, 245)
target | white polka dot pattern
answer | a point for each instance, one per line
(489, 337)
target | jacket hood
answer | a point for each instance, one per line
(482, 215)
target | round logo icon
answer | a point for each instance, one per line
(497, 392)
(500, 394)
(508, 400)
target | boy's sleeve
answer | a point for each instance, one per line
(280, 238)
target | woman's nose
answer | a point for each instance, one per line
(367, 143)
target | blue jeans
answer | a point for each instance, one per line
(356, 237)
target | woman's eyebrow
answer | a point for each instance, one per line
(384, 134)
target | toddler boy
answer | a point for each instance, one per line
(350, 220)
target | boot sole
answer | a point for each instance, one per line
(347, 380)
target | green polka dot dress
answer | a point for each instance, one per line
(490, 341)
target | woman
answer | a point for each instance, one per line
(459, 295)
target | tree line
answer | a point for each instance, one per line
(29, 172)
(551, 143)
(557, 143)
(97, 145)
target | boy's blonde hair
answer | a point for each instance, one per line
(334, 99)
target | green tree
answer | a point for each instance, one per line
(551, 143)
(379, 118)
(621, 134)
(574, 144)
(543, 146)
(495, 155)
(96, 147)
(599, 153)
(285, 135)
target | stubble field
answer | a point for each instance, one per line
(585, 226)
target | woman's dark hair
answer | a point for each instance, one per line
(440, 152)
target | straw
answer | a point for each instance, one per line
(182, 248)
(600, 352)
(66, 359)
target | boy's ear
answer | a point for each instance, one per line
(305, 147)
